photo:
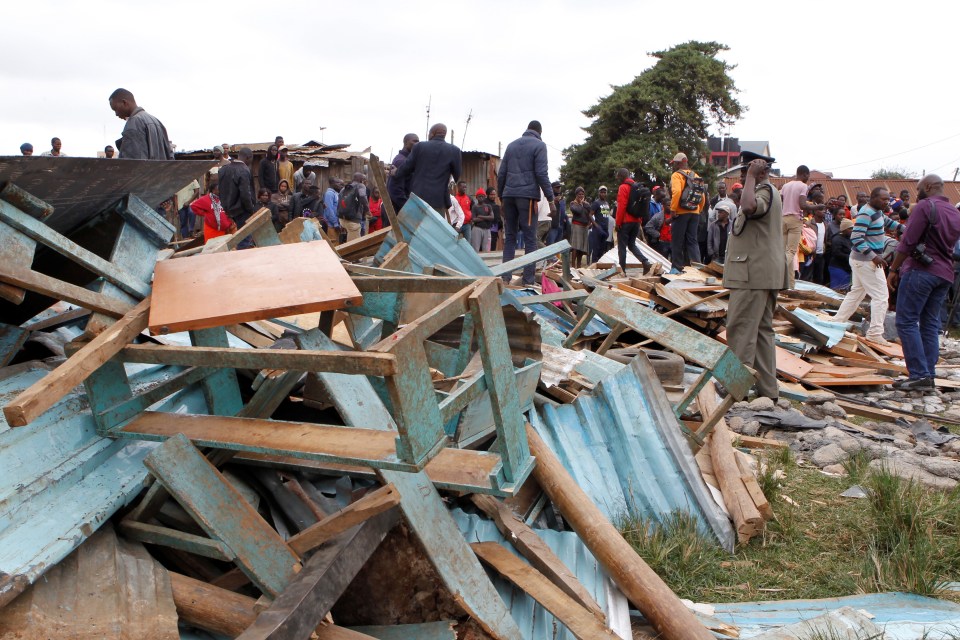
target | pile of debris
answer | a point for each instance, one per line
(375, 440)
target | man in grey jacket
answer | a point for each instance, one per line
(144, 137)
(520, 180)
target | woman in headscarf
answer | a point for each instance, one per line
(579, 231)
(282, 199)
(216, 222)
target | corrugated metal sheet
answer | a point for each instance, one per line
(623, 445)
(60, 480)
(535, 622)
(548, 312)
(902, 616)
(833, 330)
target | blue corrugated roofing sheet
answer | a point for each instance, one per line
(902, 616)
(535, 622)
(833, 330)
(595, 327)
(623, 445)
(59, 480)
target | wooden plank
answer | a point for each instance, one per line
(372, 504)
(223, 514)
(262, 283)
(642, 586)
(886, 368)
(840, 371)
(60, 290)
(531, 257)
(892, 350)
(12, 339)
(363, 246)
(755, 442)
(537, 552)
(164, 536)
(305, 602)
(450, 555)
(379, 180)
(583, 624)
(350, 362)
(830, 381)
(574, 294)
(221, 390)
(13, 295)
(47, 391)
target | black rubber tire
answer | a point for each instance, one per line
(668, 366)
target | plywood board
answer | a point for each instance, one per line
(892, 350)
(830, 381)
(213, 290)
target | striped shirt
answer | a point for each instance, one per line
(869, 230)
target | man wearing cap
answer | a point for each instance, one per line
(840, 248)
(26, 149)
(686, 212)
(627, 226)
(284, 166)
(521, 179)
(482, 216)
(269, 176)
(755, 270)
(719, 230)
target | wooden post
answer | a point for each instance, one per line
(636, 579)
(380, 182)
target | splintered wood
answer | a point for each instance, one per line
(213, 290)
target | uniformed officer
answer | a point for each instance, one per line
(755, 270)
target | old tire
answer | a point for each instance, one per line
(668, 366)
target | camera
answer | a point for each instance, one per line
(920, 255)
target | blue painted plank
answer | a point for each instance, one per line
(220, 389)
(11, 341)
(223, 514)
(442, 630)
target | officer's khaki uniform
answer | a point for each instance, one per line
(755, 270)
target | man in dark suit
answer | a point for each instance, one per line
(429, 167)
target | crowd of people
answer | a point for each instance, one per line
(881, 246)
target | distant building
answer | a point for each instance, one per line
(725, 152)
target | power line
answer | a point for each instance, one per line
(894, 155)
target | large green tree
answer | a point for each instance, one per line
(665, 109)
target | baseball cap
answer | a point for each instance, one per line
(602, 188)
(680, 157)
(736, 185)
(283, 148)
(218, 148)
(845, 224)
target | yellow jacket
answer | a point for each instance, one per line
(677, 183)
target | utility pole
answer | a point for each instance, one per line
(464, 138)
(429, 102)
(955, 172)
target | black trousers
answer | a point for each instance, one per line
(626, 239)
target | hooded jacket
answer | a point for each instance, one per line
(523, 170)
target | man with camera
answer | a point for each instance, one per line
(867, 266)
(923, 267)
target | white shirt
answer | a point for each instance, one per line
(543, 212)
(821, 234)
(455, 214)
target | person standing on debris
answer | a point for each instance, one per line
(216, 222)
(270, 170)
(840, 249)
(54, 152)
(868, 266)
(331, 202)
(108, 151)
(794, 197)
(580, 231)
(523, 175)
(922, 272)
(688, 197)
(26, 149)
(628, 224)
(397, 189)
(658, 228)
(719, 231)
(429, 167)
(755, 271)
(236, 188)
(143, 137)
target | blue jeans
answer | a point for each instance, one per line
(520, 215)
(919, 299)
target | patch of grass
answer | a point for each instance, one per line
(903, 538)
(856, 466)
(774, 465)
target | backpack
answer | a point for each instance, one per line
(638, 204)
(693, 192)
(351, 204)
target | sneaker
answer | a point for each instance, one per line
(911, 384)
(879, 341)
(647, 267)
(674, 272)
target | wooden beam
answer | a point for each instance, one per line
(224, 514)
(60, 290)
(305, 602)
(166, 537)
(531, 257)
(350, 362)
(535, 550)
(644, 588)
(574, 294)
(44, 393)
(380, 181)
(374, 503)
(580, 622)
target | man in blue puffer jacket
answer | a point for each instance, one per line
(522, 176)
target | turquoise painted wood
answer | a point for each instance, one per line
(220, 389)
(152, 225)
(39, 232)
(449, 553)
(535, 256)
(107, 387)
(691, 344)
(383, 305)
(11, 340)
(466, 343)
(501, 382)
(442, 358)
(126, 409)
(166, 537)
(223, 514)
(424, 631)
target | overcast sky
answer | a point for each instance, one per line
(842, 86)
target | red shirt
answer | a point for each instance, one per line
(465, 201)
(376, 208)
(666, 231)
(623, 197)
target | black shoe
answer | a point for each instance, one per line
(647, 267)
(912, 384)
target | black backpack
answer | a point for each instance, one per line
(351, 204)
(693, 192)
(638, 204)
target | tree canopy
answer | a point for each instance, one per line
(893, 173)
(665, 109)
